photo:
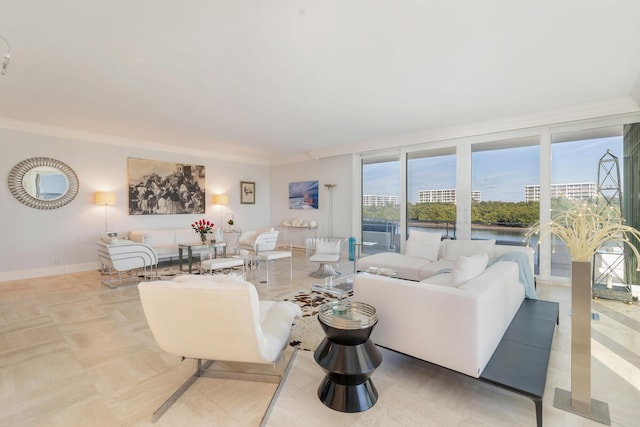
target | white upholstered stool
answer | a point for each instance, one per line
(274, 255)
(208, 265)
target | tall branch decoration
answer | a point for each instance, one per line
(584, 228)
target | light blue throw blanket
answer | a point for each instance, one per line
(524, 268)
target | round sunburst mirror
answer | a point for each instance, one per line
(43, 183)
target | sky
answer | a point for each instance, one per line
(500, 175)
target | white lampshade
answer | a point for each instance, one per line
(220, 199)
(105, 198)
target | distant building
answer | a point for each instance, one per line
(576, 191)
(443, 196)
(378, 200)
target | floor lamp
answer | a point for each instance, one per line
(222, 200)
(330, 187)
(105, 198)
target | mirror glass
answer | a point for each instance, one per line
(43, 183)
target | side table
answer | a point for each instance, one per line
(340, 287)
(347, 356)
(190, 247)
(358, 248)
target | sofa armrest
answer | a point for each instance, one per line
(123, 257)
(431, 322)
(504, 249)
(499, 295)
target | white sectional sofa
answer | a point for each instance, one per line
(451, 300)
(426, 254)
(455, 326)
(165, 240)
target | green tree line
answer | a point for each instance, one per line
(512, 214)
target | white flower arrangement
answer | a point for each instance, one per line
(585, 229)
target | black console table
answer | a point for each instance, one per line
(520, 361)
(347, 356)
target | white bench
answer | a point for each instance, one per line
(211, 264)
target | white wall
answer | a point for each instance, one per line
(45, 242)
(332, 170)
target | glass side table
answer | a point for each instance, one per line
(190, 247)
(358, 248)
(339, 287)
(347, 356)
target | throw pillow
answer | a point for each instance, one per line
(110, 240)
(423, 244)
(466, 268)
(147, 239)
(453, 249)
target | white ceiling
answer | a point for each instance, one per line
(275, 78)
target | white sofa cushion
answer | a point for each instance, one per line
(423, 244)
(442, 279)
(161, 237)
(436, 267)
(185, 236)
(452, 249)
(407, 267)
(468, 267)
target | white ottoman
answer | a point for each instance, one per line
(274, 255)
(208, 265)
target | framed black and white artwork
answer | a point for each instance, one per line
(165, 188)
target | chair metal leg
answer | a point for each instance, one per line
(180, 391)
(267, 271)
(285, 373)
(202, 370)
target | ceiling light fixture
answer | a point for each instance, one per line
(6, 57)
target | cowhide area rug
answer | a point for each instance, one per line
(306, 333)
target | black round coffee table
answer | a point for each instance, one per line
(347, 356)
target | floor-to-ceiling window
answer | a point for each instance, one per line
(431, 191)
(505, 190)
(381, 195)
(575, 162)
(491, 188)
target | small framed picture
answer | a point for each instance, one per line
(247, 192)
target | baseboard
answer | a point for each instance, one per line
(55, 270)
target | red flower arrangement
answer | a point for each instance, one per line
(202, 227)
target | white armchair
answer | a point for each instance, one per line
(248, 239)
(265, 248)
(326, 251)
(217, 318)
(126, 256)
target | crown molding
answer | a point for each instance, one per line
(614, 107)
(296, 158)
(60, 132)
